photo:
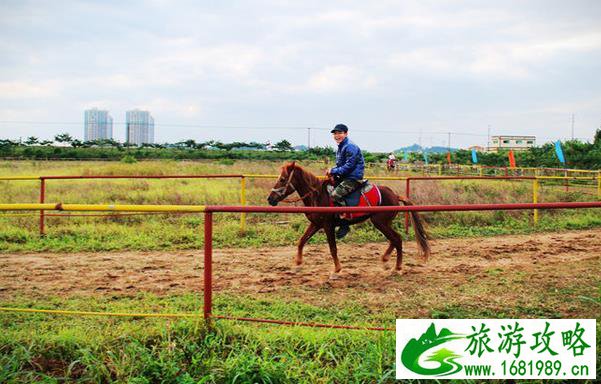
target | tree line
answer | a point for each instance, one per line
(65, 138)
(578, 154)
(109, 149)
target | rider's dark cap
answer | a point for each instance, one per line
(339, 128)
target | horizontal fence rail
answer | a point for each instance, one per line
(209, 210)
(243, 177)
(267, 209)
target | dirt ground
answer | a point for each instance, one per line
(507, 270)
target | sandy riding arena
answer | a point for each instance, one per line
(492, 272)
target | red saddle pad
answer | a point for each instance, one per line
(372, 198)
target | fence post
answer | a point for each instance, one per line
(243, 202)
(535, 199)
(407, 192)
(208, 265)
(439, 169)
(42, 198)
(481, 171)
(599, 185)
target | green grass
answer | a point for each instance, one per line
(57, 348)
(153, 232)
(186, 351)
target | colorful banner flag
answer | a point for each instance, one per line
(474, 157)
(426, 157)
(449, 158)
(511, 159)
(559, 152)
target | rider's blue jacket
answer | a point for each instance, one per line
(349, 161)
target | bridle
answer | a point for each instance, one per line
(281, 191)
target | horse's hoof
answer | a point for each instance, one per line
(297, 268)
(334, 276)
(385, 266)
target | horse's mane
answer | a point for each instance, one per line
(307, 177)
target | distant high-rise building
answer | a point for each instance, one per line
(98, 125)
(139, 127)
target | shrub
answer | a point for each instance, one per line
(128, 159)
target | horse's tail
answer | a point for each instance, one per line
(420, 233)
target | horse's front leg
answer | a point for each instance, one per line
(309, 232)
(329, 230)
(386, 255)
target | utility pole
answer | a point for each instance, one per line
(308, 138)
(449, 141)
(572, 126)
(488, 139)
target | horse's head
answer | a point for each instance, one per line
(283, 186)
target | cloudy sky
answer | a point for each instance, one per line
(396, 72)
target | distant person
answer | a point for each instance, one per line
(391, 162)
(348, 172)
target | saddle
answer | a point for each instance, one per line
(365, 195)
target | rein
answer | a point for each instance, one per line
(282, 190)
(313, 190)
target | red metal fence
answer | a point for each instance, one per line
(208, 232)
(208, 241)
(408, 180)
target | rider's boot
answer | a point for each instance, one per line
(343, 225)
(343, 229)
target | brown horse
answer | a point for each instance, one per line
(313, 192)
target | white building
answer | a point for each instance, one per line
(139, 127)
(516, 143)
(98, 125)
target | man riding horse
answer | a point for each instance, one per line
(348, 172)
(391, 162)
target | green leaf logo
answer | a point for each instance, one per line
(426, 342)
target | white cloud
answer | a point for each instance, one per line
(29, 90)
(515, 59)
(229, 60)
(416, 15)
(339, 78)
(579, 105)
(410, 63)
(185, 109)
